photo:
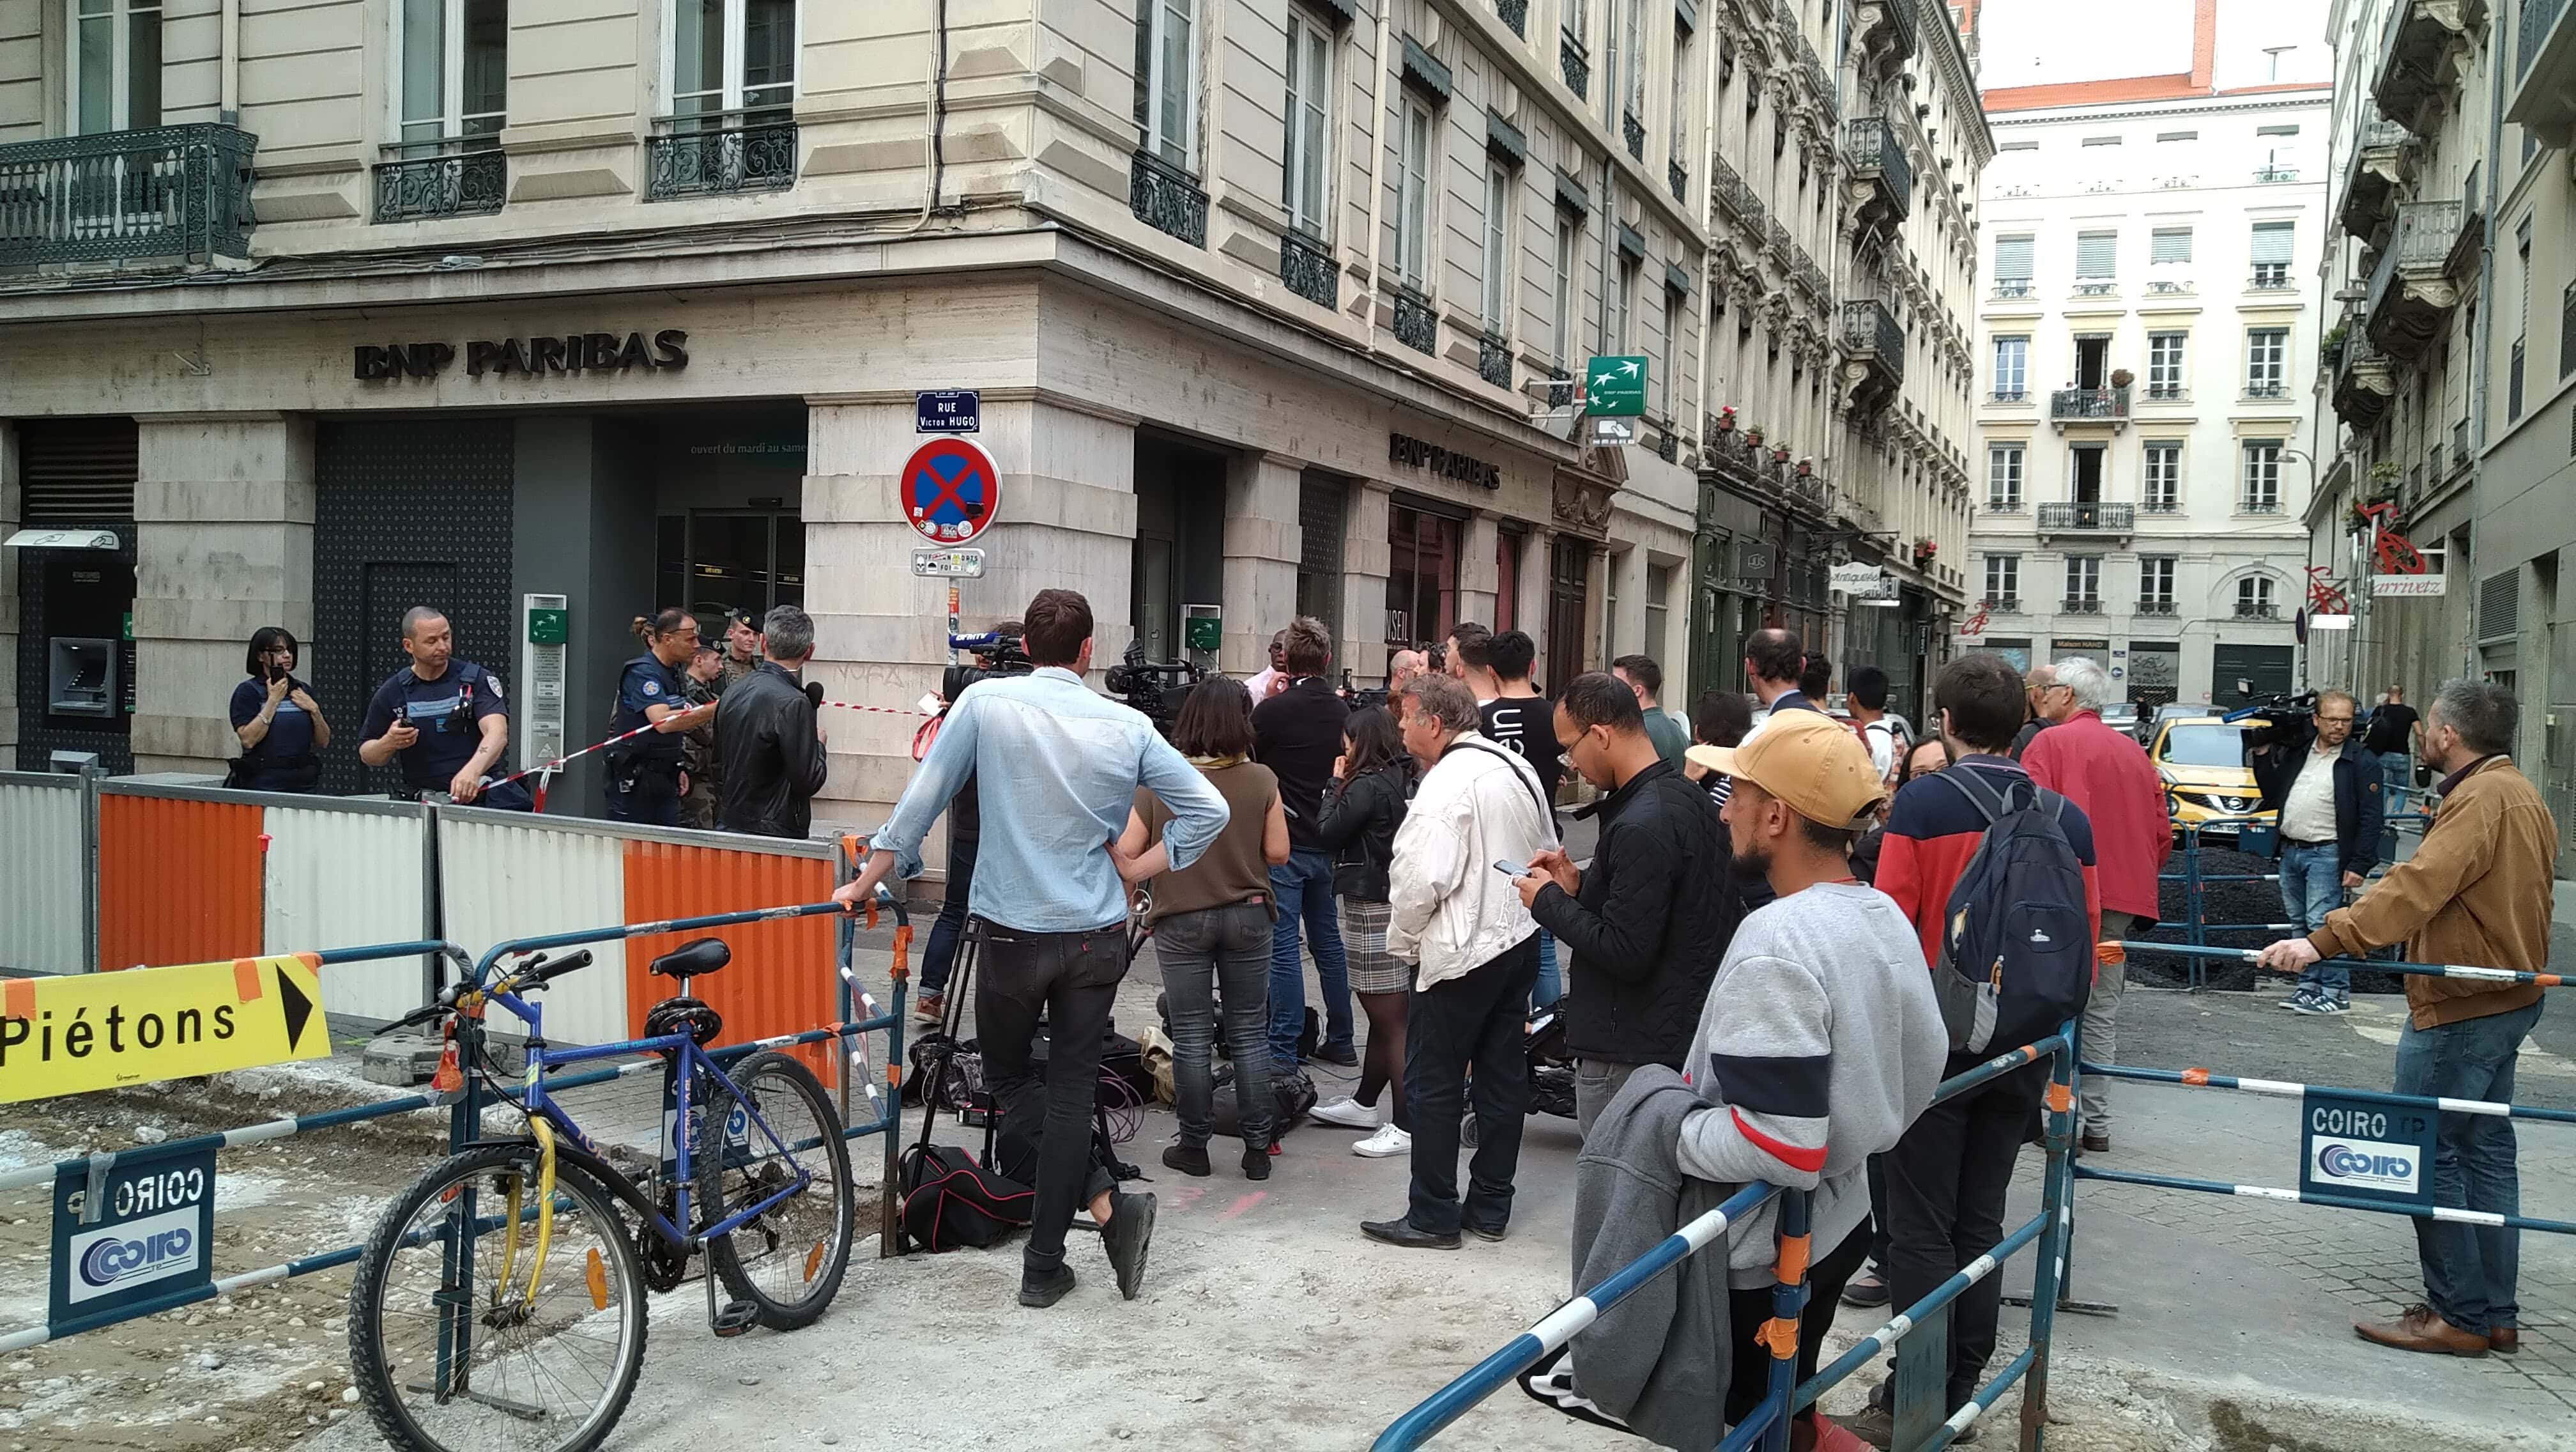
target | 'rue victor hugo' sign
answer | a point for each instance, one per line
(571, 353)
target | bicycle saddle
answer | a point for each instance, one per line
(693, 959)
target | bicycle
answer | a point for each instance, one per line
(752, 1168)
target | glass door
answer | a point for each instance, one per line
(742, 559)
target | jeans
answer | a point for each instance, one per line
(1304, 884)
(1046, 1140)
(2311, 887)
(940, 959)
(2102, 1026)
(2397, 775)
(2470, 1270)
(1596, 1083)
(1551, 983)
(1946, 1182)
(1474, 1019)
(1227, 948)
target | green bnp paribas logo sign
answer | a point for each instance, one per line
(1615, 387)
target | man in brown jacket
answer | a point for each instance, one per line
(2475, 893)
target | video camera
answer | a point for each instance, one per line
(1358, 698)
(2287, 720)
(1156, 688)
(1008, 656)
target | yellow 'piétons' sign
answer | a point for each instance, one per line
(95, 1031)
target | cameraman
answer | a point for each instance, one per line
(965, 824)
(1297, 733)
(2327, 789)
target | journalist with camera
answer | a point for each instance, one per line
(1155, 688)
(2328, 790)
(999, 653)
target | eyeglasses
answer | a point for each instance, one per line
(2334, 720)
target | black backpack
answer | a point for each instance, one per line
(2016, 944)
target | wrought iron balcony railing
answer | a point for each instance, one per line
(1494, 359)
(1874, 151)
(2089, 403)
(1167, 199)
(127, 196)
(1727, 187)
(2256, 504)
(1573, 64)
(1416, 325)
(754, 157)
(1677, 181)
(1634, 131)
(2156, 605)
(1514, 13)
(2080, 605)
(2012, 287)
(2276, 173)
(1306, 265)
(471, 184)
(2087, 515)
(2257, 610)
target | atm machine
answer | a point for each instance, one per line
(76, 592)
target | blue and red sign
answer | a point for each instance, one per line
(951, 490)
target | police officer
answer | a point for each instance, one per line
(442, 718)
(644, 774)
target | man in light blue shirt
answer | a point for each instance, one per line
(1057, 768)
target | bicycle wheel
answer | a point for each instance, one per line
(787, 1260)
(447, 1357)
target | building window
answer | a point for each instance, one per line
(2522, 335)
(736, 59)
(2254, 598)
(2156, 584)
(1166, 78)
(2003, 478)
(1498, 248)
(2013, 257)
(1619, 323)
(1421, 575)
(2262, 494)
(453, 58)
(1309, 163)
(2084, 581)
(2101, 140)
(2096, 257)
(1677, 121)
(1670, 363)
(1508, 544)
(2003, 581)
(2177, 136)
(2164, 365)
(1632, 57)
(1659, 594)
(1567, 317)
(2012, 368)
(2272, 253)
(1413, 192)
(2169, 245)
(2266, 359)
(116, 65)
(2163, 477)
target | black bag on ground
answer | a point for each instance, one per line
(1293, 1094)
(950, 1202)
(961, 1087)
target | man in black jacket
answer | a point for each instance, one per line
(1650, 921)
(2329, 791)
(768, 737)
(1297, 733)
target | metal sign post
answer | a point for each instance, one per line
(953, 566)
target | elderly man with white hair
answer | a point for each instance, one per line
(2108, 775)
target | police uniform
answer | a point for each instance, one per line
(644, 774)
(448, 713)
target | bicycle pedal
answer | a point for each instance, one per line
(732, 1318)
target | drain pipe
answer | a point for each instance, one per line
(2485, 363)
(1377, 168)
(229, 106)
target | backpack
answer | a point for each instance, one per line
(2016, 946)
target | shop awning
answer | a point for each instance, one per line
(61, 539)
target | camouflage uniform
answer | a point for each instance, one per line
(705, 796)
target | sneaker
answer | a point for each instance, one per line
(2298, 995)
(1347, 1112)
(2313, 1003)
(2336, 1003)
(1040, 1292)
(931, 1007)
(1127, 1237)
(1388, 1141)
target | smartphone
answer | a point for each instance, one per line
(1508, 870)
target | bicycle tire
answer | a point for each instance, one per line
(372, 1361)
(724, 1181)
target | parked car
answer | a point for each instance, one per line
(2121, 716)
(2201, 760)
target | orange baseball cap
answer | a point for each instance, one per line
(1807, 759)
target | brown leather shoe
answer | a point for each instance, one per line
(2505, 1340)
(2417, 1328)
(2095, 1144)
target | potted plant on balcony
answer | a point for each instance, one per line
(2331, 351)
(1924, 550)
(1806, 468)
(2121, 378)
(1726, 419)
(1753, 436)
(1779, 453)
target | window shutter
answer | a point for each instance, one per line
(77, 471)
(2095, 253)
(2272, 241)
(2013, 257)
(2172, 244)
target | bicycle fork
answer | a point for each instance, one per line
(499, 1313)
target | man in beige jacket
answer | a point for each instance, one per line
(2475, 893)
(1475, 950)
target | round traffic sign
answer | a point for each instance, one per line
(951, 490)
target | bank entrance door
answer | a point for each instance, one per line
(734, 559)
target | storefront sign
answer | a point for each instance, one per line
(571, 353)
(1405, 449)
(1858, 579)
(2387, 587)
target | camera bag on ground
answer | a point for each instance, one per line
(1292, 1092)
(950, 1201)
(954, 1070)
(2017, 950)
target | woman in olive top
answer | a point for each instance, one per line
(1212, 923)
(1374, 781)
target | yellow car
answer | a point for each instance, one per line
(2201, 760)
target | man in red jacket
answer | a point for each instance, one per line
(2108, 775)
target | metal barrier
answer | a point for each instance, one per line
(48, 919)
(1920, 1388)
(2256, 835)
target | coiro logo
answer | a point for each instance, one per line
(113, 1260)
(2369, 1165)
(139, 1252)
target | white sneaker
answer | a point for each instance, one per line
(1346, 1112)
(1388, 1141)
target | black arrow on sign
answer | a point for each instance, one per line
(297, 1007)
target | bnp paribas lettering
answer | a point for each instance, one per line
(570, 353)
(77, 1036)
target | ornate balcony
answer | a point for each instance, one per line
(2544, 99)
(2422, 52)
(2087, 517)
(418, 188)
(1821, 81)
(1811, 277)
(1494, 359)
(1677, 181)
(1514, 13)
(2089, 405)
(2002, 604)
(2265, 175)
(2257, 610)
(2413, 289)
(166, 192)
(2156, 605)
(760, 157)
(2381, 167)
(1560, 388)
(1306, 265)
(1168, 199)
(1783, 246)
(2080, 605)
(1873, 354)
(1728, 188)
(1882, 180)
(2006, 287)
(1416, 325)
(1573, 64)
(1634, 131)
(1889, 33)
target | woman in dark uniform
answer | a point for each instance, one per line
(274, 715)
(644, 774)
